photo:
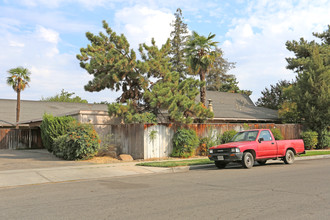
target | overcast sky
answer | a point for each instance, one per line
(45, 36)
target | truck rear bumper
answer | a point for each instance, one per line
(227, 157)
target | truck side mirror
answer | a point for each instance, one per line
(260, 140)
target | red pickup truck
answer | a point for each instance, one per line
(255, 145)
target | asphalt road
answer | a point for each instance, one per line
(274, 191)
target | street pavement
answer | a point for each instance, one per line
(40, 167)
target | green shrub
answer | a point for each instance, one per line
(227, 136)
(209, 141)
(79, 143)
(246, 127)
(53, 127)
(184, 143)
(324, 139)
(277, 134)
(310, 139)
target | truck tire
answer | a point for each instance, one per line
(220, 164)
(262, 162)
(247, 160)
(289, 157)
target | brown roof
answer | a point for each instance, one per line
(235, 106)
(34, 110)
(226, 107)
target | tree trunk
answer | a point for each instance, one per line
(18, 106)
(203, 88)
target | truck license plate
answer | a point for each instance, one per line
(220, 157)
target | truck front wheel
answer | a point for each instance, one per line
(247, 160)
(289, 157)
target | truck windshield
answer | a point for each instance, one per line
(245, 136)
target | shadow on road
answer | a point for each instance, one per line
(235, 166)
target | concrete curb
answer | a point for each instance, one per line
(180, 169)
(313, 157)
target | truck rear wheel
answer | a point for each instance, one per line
(289, 157)
(247, 160)
(220, 164)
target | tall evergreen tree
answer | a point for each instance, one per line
(311, 93)
(179, 37)
(201, 54)
(114, 65)
(19, 79)
(274, 97)
(217, 75)
(178, 97)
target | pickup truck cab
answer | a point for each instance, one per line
(255, 145)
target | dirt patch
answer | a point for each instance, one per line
(103, 159)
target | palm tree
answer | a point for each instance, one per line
(201, 53)
(19, 79)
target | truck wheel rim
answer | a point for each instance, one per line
(289, 156)
(248, 160)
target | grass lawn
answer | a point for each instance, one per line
(313, 153)
(207, 161)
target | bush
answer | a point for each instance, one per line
(80, 143)
(277, 134)
(184, 143)
(52, 128)
(212, 139)
(310, 139)
(227, 136)
(324, 139)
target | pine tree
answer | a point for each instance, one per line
(178, 41)
(311, 93)
(178, 97)
(114, 65)
(274, 97)
(217, 75)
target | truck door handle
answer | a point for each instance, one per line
(273, 143)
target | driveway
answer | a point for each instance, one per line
(33, 159)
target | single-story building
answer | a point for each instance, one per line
(231, 111)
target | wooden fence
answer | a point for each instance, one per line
(155, 141)
(142, 141)
(20, 138)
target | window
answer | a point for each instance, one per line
(265, 135)
(245, 136)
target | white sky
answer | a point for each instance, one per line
(45, 36)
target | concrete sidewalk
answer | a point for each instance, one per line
(25, 167)
(72, 173)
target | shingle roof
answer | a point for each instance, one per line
(237, 107)
(34, 110)
(226, 106)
